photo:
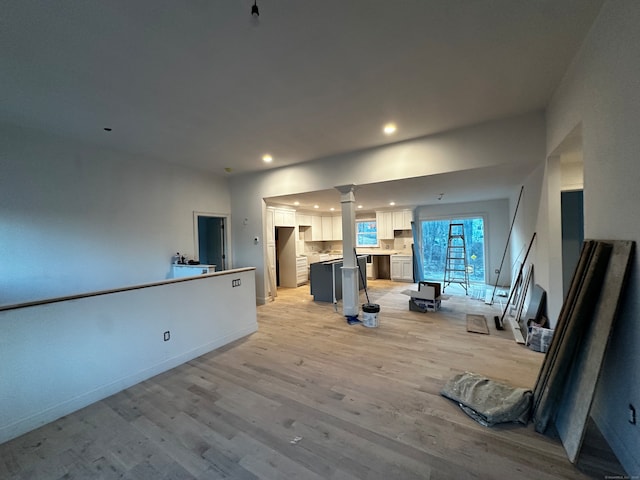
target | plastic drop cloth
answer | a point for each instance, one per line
(487, 401)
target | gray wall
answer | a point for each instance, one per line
(76, 218)
(601, 91)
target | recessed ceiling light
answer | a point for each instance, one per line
(267, 158)
(389, 128)
(316, 206)
(296, 203)
(332, 209)
(392, 203)
(359, 206)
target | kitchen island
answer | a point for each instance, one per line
(326, 279)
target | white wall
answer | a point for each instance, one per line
(602, 91)
(59, 357)
(497, 223)
(517, 140)
(76, 218)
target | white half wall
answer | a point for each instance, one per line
(56, 358)
(518, 140)
(601, 90)
(76, 218)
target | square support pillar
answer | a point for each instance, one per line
(350, 274)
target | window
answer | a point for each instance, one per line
(366, 233)
(435, 234)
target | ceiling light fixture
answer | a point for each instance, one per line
(254, 9)
(392, 203)
(332, 209)
(359, 206)
(389, 128)
(316, 206)
(267, 158)
(296, 203)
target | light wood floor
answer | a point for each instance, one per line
(308, 397)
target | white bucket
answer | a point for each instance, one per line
(370, 314)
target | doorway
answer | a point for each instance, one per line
(211, 239)
(285, 257)
(572, 212)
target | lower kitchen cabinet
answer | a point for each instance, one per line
(402, 268)
(302, 270)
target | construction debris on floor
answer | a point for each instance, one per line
(539, 338)
(477, 324)
(487, 401)
(426, 299)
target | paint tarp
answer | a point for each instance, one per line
(487, 401)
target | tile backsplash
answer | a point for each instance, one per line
(401, 242)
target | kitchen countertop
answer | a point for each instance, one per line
(314, 257)
(383, 252)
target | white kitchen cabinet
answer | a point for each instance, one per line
(327, 228)
(402, 219)
(269, 233)
(302, 270)
(316, 229)
(271, 267)
(401, 268)
(384, 225)
(182, 271)
(284, 218)
(303, 219)
(337, 227)
(372, 267)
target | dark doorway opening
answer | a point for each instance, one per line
(572, 211)
(212, 249)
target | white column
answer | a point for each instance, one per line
(350, 274)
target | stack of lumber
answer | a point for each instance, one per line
(565, 388)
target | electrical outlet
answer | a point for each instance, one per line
(235, 283)
(167, 336)
(632, 414)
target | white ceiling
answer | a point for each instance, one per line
(203, 83)
(462, 186)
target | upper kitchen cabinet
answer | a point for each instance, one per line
(303, 219)
(402, 219)
(284, 218)
(327, 228)
(316, 229)
(323, 228)
(337, 228)
(384, 225)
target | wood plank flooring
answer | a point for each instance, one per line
(310, 397)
